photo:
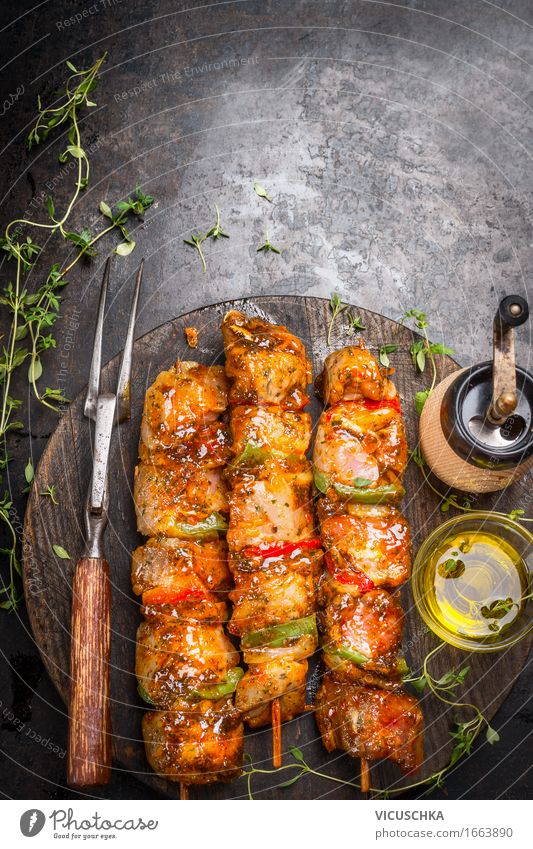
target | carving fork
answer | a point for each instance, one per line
(89, 733)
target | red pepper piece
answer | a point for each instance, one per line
(166, 595)
(279, 549)
(383, 404)
(357, 579)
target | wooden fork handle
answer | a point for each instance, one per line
(89, 733)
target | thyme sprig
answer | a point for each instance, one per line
(336, 306)
(421, 351)
(215, 232)
(300, 764)
(32, 314)
(51, 493)
(268, 247)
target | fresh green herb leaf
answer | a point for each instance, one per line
(261, 192)
(125, 248)
(105, 209)
(451, 568)
(420, 399)
(61, 552)
(267, 247)
(28, 472)
(195, 241)
(384, 352)
(355, 322)
(492, 735)
(35, 370)
(51, 492)
(497, 609)
(290, 781)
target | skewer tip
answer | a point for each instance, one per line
(276, 733)
(365, 776)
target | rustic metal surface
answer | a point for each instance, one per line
(394, 138)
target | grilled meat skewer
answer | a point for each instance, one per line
(274, 551)
(359, 458)
(186, 666)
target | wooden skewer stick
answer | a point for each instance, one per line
(276, 733)
(184, 791)
(365, 776)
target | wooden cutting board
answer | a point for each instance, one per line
(48, 580)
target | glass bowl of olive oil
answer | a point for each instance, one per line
(472, 582)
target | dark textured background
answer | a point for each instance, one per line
(395, 138)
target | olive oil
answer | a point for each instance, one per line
(476, 584)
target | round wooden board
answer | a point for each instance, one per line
(47, 579)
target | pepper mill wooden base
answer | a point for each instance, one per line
(446, 464)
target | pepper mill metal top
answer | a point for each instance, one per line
(477, 430)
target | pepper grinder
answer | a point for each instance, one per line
(476, 427)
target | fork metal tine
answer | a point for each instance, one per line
(124, 376)
(96, 362)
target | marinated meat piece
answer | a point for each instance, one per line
(364, 631)
(361, 538)
(163, 562)
(175, 659)
(180, 402)
(188, 603)
(370, 723)
(270, 503)
(353, 373)
(197, 746)
(168, 496)
(266, 363)
(272, 428)
(355, 447)
(298, 648)
(209, 446)
(191, 335)
(280, 678)
(280, 589)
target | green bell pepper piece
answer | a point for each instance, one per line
(360, 659)
(143, 694)
(253, 455)
(367, 495)
(214, 522)
(276, 636)
(348, 654)
(401, 666)
(217, 691)
(360, 494)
